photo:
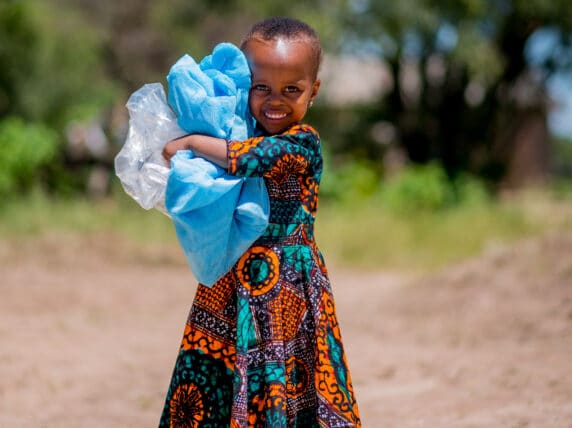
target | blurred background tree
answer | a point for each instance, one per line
(457, 84)
(469, 80)
(51, 64)
(50, 74)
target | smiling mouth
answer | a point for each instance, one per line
(275, 116)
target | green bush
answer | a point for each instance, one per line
(562, 158)
(419, 187)
(415, 188)
(26, 147)
(470, 190)
(348, 179)
(428, 188)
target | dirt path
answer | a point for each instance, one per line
(89, 332)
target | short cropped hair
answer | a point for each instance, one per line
(289, 28)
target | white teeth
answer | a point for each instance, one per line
(275, 116)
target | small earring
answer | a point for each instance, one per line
(310, 104)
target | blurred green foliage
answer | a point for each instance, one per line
(51, 68)
(26, 148)
(428, 188)
(562, 157)
(77, 60)
(347, 179)
(412, 189)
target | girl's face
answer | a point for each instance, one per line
(283, 82)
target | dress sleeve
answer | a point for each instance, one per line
(254, 157)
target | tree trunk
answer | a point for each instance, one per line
(524, 150)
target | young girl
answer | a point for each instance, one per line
(262, 347)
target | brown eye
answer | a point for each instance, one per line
(260, 88)
(291, 89)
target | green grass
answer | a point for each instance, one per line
(38, 214)
(371, 237)
(360, 234)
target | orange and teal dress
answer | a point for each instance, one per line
(262, 347)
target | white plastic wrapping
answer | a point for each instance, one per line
(141, 168)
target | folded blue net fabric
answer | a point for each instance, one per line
(211, 98)
(216, 216)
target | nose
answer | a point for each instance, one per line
(274, 97)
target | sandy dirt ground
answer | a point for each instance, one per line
(89, 331)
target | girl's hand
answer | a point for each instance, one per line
(173, 147)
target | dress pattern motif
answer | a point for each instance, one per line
(262, 347)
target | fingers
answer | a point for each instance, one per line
(166, 153)
(171, 148)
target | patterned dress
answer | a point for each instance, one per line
(262, 347)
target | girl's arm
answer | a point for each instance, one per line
(210, 148)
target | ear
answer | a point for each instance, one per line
(315, 89)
